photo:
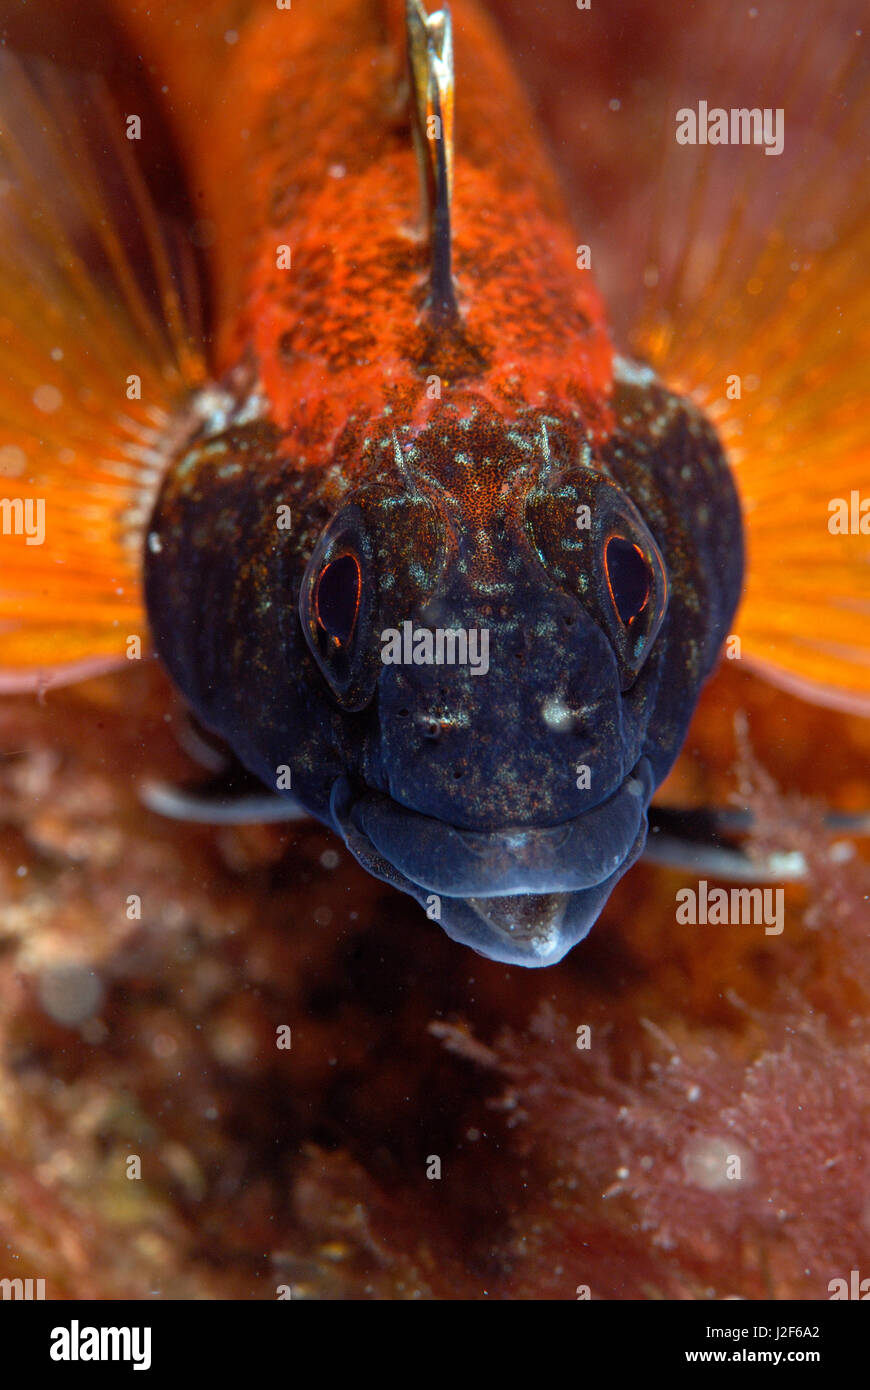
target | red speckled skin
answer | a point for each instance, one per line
(299, 135)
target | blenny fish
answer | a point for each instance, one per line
(439, 562)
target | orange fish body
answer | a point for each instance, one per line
(287, 155)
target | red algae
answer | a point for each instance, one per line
(155, 1036)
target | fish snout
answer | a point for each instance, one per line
(518, 724)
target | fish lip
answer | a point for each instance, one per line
(418, 852)
(547, 927)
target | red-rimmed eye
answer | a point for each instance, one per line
(629, 578)
(336, 601)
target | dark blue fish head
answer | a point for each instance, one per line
(487, 656)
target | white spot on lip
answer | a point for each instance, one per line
(511, 916)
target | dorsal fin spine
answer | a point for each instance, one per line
(430, 63)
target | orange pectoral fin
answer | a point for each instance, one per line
(60, 622)
(96, 361)
(759, 306)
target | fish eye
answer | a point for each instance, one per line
(594, 542)
(629, 578)
(358, 581)
(337, 596)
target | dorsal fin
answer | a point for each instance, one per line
(430, 62)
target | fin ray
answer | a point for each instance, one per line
(764, 282)
(90, 299)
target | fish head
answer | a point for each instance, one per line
(496, 620)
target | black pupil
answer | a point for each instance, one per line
(628, 573)
(338, 597)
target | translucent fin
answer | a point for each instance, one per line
(97, 356)
(707, 840)
(227, 794)
(757, 277)
(220, 802)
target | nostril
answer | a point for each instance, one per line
(432, 729)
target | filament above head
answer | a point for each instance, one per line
(430, 64)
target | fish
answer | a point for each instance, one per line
(436, 559)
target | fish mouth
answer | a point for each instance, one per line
(522, 895)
